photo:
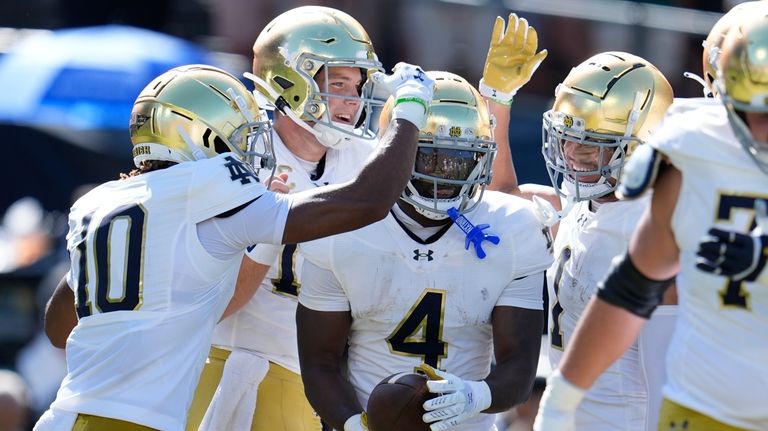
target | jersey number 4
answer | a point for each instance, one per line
(115, 244)
(420, 333)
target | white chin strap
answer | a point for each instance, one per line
(285, 111)
(705, 88)
(331, 138)
(547, 214)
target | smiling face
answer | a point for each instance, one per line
(586, 158)
(340, 87)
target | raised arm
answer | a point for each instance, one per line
(504, 174)
(339, 208)
(512, 59)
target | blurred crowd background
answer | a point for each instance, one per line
(70, 70)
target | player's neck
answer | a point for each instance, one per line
(419, 218)
(299, 141)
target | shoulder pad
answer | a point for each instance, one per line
(639, 173)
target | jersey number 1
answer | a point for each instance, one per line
(556, 335)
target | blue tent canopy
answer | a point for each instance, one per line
(86, 78)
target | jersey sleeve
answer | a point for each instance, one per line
(261, 221)
(221, 184)
(526, 292)
(318, 252)
(264, 254)
(533, 253)
(321, 290)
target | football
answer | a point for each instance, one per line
(396, 402)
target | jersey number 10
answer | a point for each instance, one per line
(116, 242)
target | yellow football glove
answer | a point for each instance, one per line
(511, 59)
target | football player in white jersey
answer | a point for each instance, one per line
(410, 290)
(154, 256)
(712, 44)
(605, 108)
(706, 225)
(313, 63)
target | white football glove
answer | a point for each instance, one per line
(460, 399)
(411, 89)
(557, 408)
(511, 60)
(358, 422)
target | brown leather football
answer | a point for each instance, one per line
(396, 402)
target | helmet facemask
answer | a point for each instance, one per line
(757, 149)
(584, 183)
(318, 110)
(449, 172)
(743, 83)
(606, 106)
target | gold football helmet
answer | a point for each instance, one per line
(195, 112)
(713, 43)
(455, 149)
(743, 81)
(294, 48)
(610, 103)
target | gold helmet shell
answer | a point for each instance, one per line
(456, 147)
(297, 44)
(743, 81)
(713, 43)
(198, 111)
(613, 101)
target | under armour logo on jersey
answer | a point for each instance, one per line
(419, 75)
(239, 171)
(418, 255)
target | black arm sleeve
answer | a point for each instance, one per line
(629, 289)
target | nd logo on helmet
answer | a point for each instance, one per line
(568, 121)
(454, 132)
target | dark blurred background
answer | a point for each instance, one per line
(70, 69)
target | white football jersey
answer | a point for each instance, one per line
(415, 301)
(267, 323)
(143, 282)
(718, 361)
(586, 243)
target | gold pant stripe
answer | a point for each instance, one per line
(280, 406)
(98, 423)
(674, 417)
